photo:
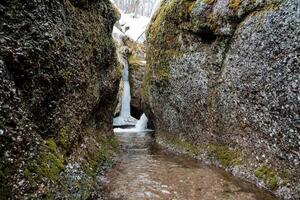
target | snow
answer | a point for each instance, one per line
(133, 25)
(155, 8)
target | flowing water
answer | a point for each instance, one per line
(125, 117)
(144, 171)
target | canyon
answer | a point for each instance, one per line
(217, 79)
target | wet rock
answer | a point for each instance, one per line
(223, 77)
(58, 85)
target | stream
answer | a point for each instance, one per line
(146, 171)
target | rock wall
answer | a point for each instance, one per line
(222, 84)
(137, 65)
(58, 89)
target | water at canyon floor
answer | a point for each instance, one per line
(144, 171)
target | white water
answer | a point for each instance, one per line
(140, 127)
(142, 123)
(126, 98)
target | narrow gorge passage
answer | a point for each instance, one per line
(149, 99)
(145, 171)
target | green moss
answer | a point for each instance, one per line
(234, 4)
(96, 155)
(52, 145)
(189, 4)
(225, 155)
(165, 9)
(163, 71)
(6, 172)
(67, 74)
(119, 71)
(187, 146)
(209, 2)
(49, 165)
(63, 137)
(268, 176)
(145, 85)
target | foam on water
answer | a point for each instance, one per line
(140, 127)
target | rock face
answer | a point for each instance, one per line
(137, 65)
(58, 89)
(222, 83)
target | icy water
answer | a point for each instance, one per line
(144, 171)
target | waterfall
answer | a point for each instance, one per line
(142, 123)
(125, 117)
(125, 104)
(140, 127)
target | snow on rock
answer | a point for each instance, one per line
(133, 26)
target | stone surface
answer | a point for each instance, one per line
(137, 68)
(223, 77)
(58, 84)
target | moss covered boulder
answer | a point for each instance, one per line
(223, 76)
(58, 85)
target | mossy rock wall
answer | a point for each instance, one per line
(223, 76)
(58, 84)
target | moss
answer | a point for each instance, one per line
(5, 173)
(268, 176)
(234, 4)
(189, 4)
(225, 155)
(187, 146)
(135, 62)
(119, 71)
(52, 145)
(163, 71)
(145, 87)
(49, 165)
(209, 2)
(96, 155)
(63, 137)
(67, 74)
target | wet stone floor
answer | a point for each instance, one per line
(144, 171)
